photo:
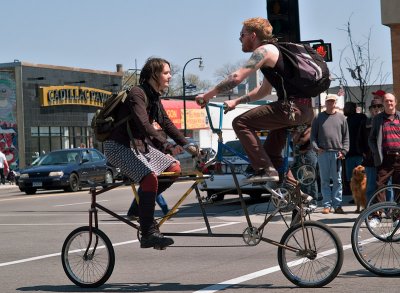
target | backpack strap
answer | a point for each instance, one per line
(129, 117)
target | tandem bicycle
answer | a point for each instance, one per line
(310, 254)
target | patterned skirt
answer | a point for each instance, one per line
(136, 166)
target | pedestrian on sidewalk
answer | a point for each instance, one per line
(305, 155)
(384, 141)
(375, 108)
(330, 139)
(3, 167)
(354, 156)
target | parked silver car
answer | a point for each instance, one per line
(221, 181)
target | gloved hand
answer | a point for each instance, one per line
(174, 150)
(192, 149)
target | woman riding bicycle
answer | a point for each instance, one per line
(152, 153)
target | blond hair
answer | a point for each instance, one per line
(261, 27)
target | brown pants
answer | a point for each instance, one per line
(275, 118)
(390, 168)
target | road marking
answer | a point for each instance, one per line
(79, 203)
(116, 244)
(106, 223)
(261, 273)
(39, 195)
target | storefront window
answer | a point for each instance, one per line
(49, 138)
(55, 133)
(65, 137)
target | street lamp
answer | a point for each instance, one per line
(201, 66)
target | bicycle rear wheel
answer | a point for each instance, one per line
(392, 190)
(94, 268)
(306, 174)
(377, 247)
(316, 257)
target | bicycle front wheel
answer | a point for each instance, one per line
(391, 192)
(91, 269)
(312, 256)
(376, 245)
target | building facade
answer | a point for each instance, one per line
(45, 107)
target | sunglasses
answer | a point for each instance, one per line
(241, 36)
(376, 106)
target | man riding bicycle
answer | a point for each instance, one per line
(291, 109)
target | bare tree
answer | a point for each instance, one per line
(227, 69)
(357, 68)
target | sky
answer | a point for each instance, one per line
(98, 34)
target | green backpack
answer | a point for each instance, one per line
(104, 119)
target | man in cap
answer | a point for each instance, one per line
(330, 139)
(378, 94)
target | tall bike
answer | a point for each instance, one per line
(310, 254)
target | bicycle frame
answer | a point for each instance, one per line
(197, 178)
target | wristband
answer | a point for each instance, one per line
(244, 100)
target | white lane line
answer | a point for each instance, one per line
(79, 203)
(116, 244)
(261, 273)
(106, 223)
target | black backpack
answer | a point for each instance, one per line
(310, 73)
(104, 120)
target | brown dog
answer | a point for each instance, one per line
(358, 185)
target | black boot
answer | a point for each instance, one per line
(151, 237)
(155, 240)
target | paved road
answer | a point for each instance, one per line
(33, 229)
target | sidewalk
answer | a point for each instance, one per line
(257, 214)
(8, 186)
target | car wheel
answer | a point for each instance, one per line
(30, 190)
(73, 183)
(215, 197)
(108, 178)
(255, 195)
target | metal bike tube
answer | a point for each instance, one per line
(203, 210)
(92, 216)
(172, 211)
(242, 203)
(104, 209)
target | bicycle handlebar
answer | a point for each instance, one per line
(221, 107)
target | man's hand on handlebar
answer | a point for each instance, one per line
(201, 100)
(229, 106)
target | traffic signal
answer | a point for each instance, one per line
(325, 50)
(284, 18)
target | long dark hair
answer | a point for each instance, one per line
(152, 69)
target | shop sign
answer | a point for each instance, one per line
(195, 119)
(72, 95)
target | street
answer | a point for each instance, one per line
(33, 229)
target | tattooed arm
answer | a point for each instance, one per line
(260, 57)
(259, 92)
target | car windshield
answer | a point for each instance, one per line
(60, 158)
(236, 145)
